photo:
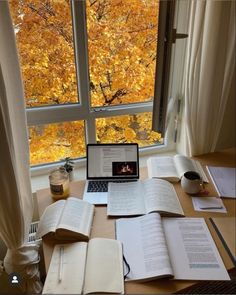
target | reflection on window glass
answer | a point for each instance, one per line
(126, 129)
(49, 143)
(43, 31)
(122, 40)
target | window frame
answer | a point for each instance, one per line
(83, 111)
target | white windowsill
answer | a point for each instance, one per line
(41, 181)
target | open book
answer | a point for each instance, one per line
(69, 219)
(181, 248)
(173, 168)
(81, 267)
(141, 197)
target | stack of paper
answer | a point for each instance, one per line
(223, 179)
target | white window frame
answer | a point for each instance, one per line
(83, 111)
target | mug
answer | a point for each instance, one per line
(191, 182)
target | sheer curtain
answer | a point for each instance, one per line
(209, 72)
(16, 204)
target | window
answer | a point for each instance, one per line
(88, 69)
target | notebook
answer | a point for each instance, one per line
(109, 162)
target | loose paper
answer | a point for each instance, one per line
(208, 204)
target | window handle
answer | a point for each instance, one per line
(176, 35)
(97, 110)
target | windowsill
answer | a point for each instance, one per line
(41, 181)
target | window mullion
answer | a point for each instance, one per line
(90, 130)
(120, 110)
(54, 114)
(81, 51)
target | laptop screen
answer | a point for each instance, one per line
(112, 161)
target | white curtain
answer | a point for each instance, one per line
(209, 72)
(16, 204)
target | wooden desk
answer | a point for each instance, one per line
(104, 226)
(226, 230)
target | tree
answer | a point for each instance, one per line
(122, 52)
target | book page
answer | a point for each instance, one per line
(144, 247)
(77, 216)
(183, 164)
(125, 198)
(160, 196)
(66, 271)
(192, 251)
(198, 167)
(50, 218)
(162, 167)
(104, 269)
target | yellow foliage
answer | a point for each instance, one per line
(122, 37)
(129, 134)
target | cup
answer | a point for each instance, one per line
(59, 184)
(191, 182)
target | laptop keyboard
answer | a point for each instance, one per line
(97, 186)
(101, 185)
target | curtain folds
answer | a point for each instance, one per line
(210, 64)
(16, 204)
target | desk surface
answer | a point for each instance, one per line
(104, 226)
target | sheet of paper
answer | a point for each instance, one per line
(224, 180)
(193, 253)
(208, 204)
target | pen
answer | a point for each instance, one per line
(61, 264)
(216, 207)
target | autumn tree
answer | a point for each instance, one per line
(122, 37)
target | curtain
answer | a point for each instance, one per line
(16, 203)
(209, 72)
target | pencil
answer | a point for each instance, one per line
(61, 264)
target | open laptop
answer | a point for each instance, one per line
(109, 162)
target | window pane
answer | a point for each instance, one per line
(43, 31)
(49, 143)
(122, 39)
(126, 129)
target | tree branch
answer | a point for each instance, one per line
(58, 29)
(119, 93)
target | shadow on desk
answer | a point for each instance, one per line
(213, 287)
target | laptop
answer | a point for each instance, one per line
(109, 163)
